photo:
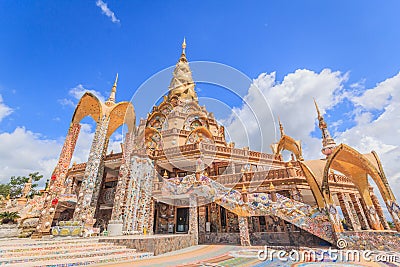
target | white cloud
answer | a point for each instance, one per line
(4, 109)
(23, 152)
(106, 11)
(292, 101)
(77, 92)
(378, 133)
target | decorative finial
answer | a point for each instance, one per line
(111, 99)
(328, 144)
(244, 189)
(165, 174)
(271, 186)
(115, 82)
(316, 106)
(281, 127)
(184, 46)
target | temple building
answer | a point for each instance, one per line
(177, 174)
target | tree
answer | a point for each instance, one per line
(17, 184)
(7, 217)
(4, 190)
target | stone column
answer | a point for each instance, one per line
(193, 220)
(360, 212)
(131, 195)
(84, 211)
(99, 182)
(56, 186)
(394, 211)
(347, 212)
(295, 194)
(233, 167)
(146, 178)
(244, 231)
(369, 209)
(378, 209)
(357, 223)
(150, 223)
(123, 179)
(202, 224)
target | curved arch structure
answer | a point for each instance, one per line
(89, 105)
(312, 181)
(108, 117)
(122, 113)
(357, 167)
(199, 134)
(288, 143)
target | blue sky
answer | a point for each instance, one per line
(49, 47)
(336, 51)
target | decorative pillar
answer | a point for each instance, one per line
(202, 223)
(84, 211)
(57, 181)
(350, 218)
(123, 179)
(295, 194)
(370, 211)
(378, 209)
(131, 195)
(146, 177)
(353, 211)
(193, 220)
(359, 209)
(394, 211)
(332, 212)
(99, 182)
(233, 167)
(150, 224)
(244, 231)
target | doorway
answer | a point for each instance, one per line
(182, 220)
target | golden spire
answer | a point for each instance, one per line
(184, 46)
(281, 127)
(111, 99)
(182, 84)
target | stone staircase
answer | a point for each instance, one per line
(62, 252)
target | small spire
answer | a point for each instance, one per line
(184, 46)
(316, 106)
(328, 144)
(281, 127)
(111, 99)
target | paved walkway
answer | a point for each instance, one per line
(229, 256)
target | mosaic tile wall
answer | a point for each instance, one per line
(139, 195)
(57, 182)
(84, 211)
(123, 179)
(388, 241)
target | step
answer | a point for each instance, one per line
(57, 257)
(35, 242)
(16, 248)
(85, 261)
(55, 250)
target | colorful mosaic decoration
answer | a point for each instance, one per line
(258, 204)
(139, 195)
(57, 182)
(85, 212)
